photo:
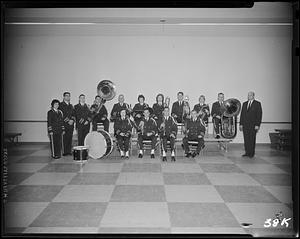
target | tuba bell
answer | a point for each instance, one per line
(107, 91)
(231, 109)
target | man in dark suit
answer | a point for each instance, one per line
(99, 114)
(116, 110)
(177, 108)
(250, 121)
(83, 117)
(217, 111)
(69, 119)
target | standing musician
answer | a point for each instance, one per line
(69, 119)
(217, 112)
(186, 109)
(177, 108)
(147, 131)
(202, 109)
(158, 109)
(250, 121)
(194, 131)
(138, 109)
(99, 114)
(123, 130)
(168, 131)
(121, 105)
(56, 128)
(83, 118)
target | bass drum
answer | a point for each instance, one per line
(99, 143)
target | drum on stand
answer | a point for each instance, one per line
(100, 144)
(80, 153)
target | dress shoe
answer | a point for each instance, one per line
(56, 157)
(187, 155)
(65, 154)
(164, 158)
(251, 156)
(194, 154)
(126, 157)
(152, 156)
(140, 155)
(245, 155)
(173, 159)
(217, 137)
(122, 156)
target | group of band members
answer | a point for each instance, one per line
(150, 123)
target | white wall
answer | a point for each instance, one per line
(42, 65)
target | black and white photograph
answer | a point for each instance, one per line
(157, 120)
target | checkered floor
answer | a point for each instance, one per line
(213, 193)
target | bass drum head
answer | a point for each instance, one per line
(99, 143)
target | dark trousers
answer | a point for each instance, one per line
(187, 147)
(105, 124)
(249, 140)
(82, 131)
(67, 138)
(216, 124)
(123, 142)
(145, 137)
(165, 139)
(55, 144)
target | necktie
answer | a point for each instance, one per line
(249, 104)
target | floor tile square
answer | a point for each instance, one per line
(94, 179)
(49, 179)
(258, 213)
(211, 160)
(19, 152)
(201, 215)
(61, 168)
(208, 230)
(285, 167)
(140, 179)
(25, 167)
(246, 160)
(181, 168)
(33, 193)
(220, 168)
(282, 193)
(134, 230)
(21, 214)
(13, 230)
(61, 230)
(185, 179)
(84, 193)
(231, 179)
(277, 159)
(273, 179)
(14, 159)
(70, 214)
(138, 167)
(268, 153)
(17, 178)
(36, 159)
(247, 194)
(138, 193)
(260, 168)
(42, 152)
(102, 168)
(192, 193)
(136, 214)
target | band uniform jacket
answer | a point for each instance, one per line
(217, 109)
(123, 126)
(194, 128)
(55, 121)
(149, 126)
(96, 117)
(170, 127)
(138, 109)
(115, 112)
(203, 107)
(253, 116)
(68, 113)
(177, 110)
(82, 114)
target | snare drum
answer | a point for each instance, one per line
(100, 144)
(80, 153)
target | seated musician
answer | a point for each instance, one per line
(216, 113)
(56, 129)
(123, 130)
(83, 118)
(99, 114)
(147, 131)
(138, 109)
(121, 105)
(202, 109)
(194, 131)
(186, 109)
(168, 132)
(177, 108)
(158, 109)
